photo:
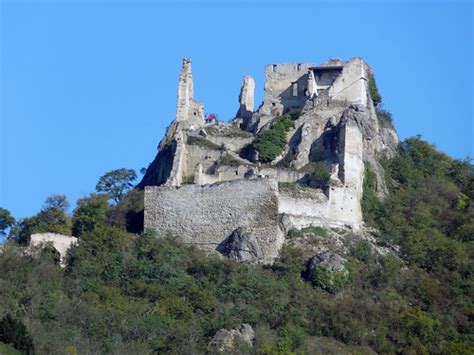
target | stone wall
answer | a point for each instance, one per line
(60, 242)
(285, 87)
(246, 98)
(351, 85)
(303, 208)
(208, 215)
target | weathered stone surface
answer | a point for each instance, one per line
(243, 246)
(246, 98)
(327, 260)
(225, 340)
(60, 242)
(207, 215)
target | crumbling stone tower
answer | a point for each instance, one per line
(188, 110)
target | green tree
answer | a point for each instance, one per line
(13, 331)
(53, 218)
(57, 201)
(128, 213)
(7, 221)
(90, 213)
(116, 183)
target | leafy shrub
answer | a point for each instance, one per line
(128, 213)
(270, 143)
(316, 231)
(228, 160)
(188, 180)
(361, 250)
(374, 91)
(320, 174)
(294, 114)
(52, 218)
(384, 117)
(203, 142)
(371, 204)
(13, 331)
(90, 213)
(330, 281)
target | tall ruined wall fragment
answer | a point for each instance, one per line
(246, 98)
(188, 109)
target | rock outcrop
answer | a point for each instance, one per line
(225, 340)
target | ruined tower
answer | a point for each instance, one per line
(188, 109)
(246, 98)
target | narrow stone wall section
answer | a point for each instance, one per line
(246, 98)
(207, 215)
(185, 90)
(188, 110)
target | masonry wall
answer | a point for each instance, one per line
(301, 209)
(351, 85)
(279, 93)
(207, 215)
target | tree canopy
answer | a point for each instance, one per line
(142, 294)
(116, 183)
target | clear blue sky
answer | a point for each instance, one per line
(90, 86)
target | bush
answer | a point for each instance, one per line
(316, 231)
(270, 143)
(128, 213)
(374, 91)
(228, 160)
(320, 174)
(294, 114)
(361, 250)
(203, 142)
(330, 281)
(13, 331)
(53, 218)
(371, 204)
(384, 117)
(90, 213)
(188, 180)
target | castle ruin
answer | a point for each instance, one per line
(207, 186)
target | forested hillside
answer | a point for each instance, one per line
(123, 292)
